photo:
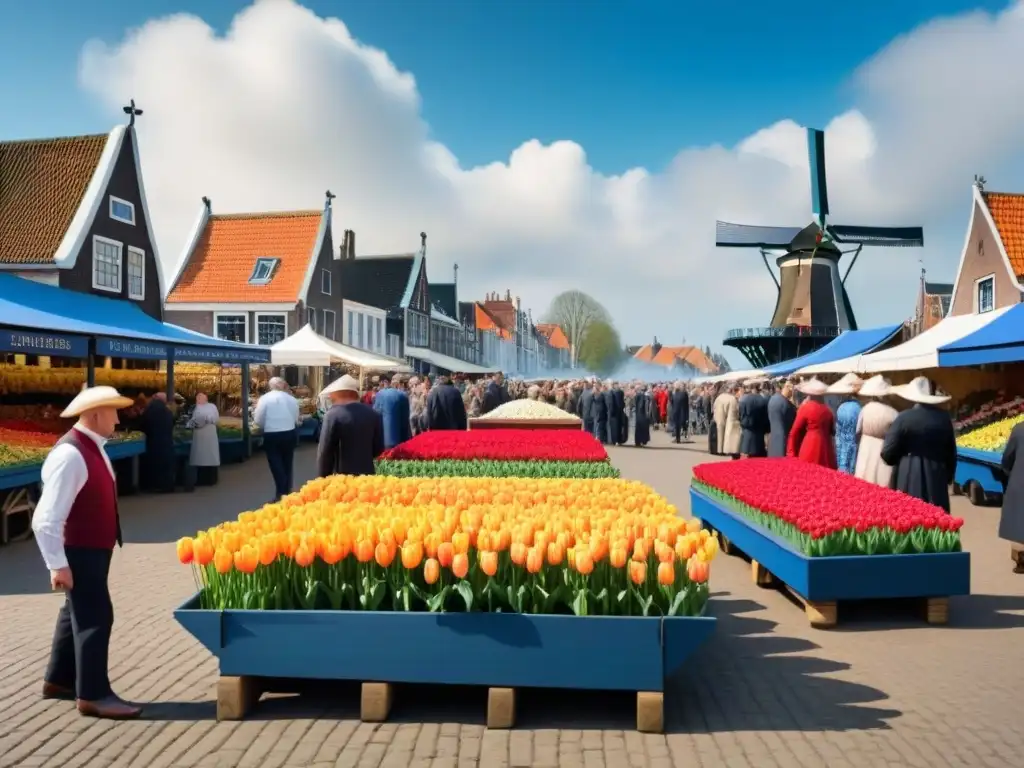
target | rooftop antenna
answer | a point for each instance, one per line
(132, 111)
(330, 196)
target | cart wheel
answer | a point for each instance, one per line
(957, 490)
(976, 494)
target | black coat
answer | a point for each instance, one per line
(614, 420)
(157, 423)
(679, 408)
(585, 408)
(754, 425)
(494, 395)
(1011, 521)
(781, 414)
(445, 408)
(643, 408)
(921, 447)
(351, 437)
(599, 416)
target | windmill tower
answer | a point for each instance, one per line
(812, 306)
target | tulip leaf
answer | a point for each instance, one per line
(602, 599)
(465, 590)
(678, 606)
(579, 602)
(436, 602)
(645, 603)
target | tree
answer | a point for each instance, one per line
(600, 349)
(574, 312)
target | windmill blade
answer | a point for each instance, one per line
(883, 237)
(819, 187)
(728, 235)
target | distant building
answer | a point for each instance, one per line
(555, 349)
(933, 301)
(683, 359)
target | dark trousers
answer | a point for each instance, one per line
(81, 640)
(280, 450)
(588, 425)
(601, 431)
(678, 429)
(207, 475)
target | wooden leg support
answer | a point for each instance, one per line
(375, 702)
(821, 615)
(1017, 553)
(501, 707)
(937, 610)
(650, 712)
(725, 545)
(236, 696)
(762, 576)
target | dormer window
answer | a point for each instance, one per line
(122, 210)
(263, 271)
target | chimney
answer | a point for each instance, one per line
(343, 247)
(207, 203)
(508, 294)
(350, 251)
(455, 275)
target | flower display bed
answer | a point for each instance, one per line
(493, 468)
(829, 537)
(502, 582)
(561, 424)
(501, 445)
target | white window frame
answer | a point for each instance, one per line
(245, 324)
(350, 330)
(311, 317)
(274, 261)
(122, 201)
(325, 277)
(330, 323)
(259, 315)
(133, 251)
(977, 293)
(381, 331)
(120, 264)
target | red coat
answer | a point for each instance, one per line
(661, 400)
(812, 436)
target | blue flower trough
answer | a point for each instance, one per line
(820, 582)
(980, 469)
(502, 651)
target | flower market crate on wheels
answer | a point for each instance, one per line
(892, 546)
(502, 651)
(978, 476)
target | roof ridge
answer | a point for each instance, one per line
(55, 139)
(267, 214)
(385, 256)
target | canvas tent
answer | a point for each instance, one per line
(307, 347)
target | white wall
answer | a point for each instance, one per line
(373, 327)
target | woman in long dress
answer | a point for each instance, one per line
(847, 415)
(872, 425)
(205, 452)
(811, 438)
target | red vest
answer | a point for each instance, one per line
(93, 521)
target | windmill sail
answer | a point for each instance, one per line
(819, 186)
(883, 237)
(728, 235)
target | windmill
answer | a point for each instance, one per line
(812, 306)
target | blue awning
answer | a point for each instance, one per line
(54, 321)
(1000, 341)
(846, 344)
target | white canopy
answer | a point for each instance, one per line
(730, 376)
(307, 347)
(918, 354)
(447, 363)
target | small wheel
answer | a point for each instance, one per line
(976, 494)
(957, 490)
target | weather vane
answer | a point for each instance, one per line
(132, 111)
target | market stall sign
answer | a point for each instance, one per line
(36, 343)
(222, 355)
(142, 350)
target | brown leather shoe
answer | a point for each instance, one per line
(110, 708)
(53, 691)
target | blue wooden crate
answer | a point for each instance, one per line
(125, 449)
(30, 474)
(827, 579)
(487, 649)
(981, 467)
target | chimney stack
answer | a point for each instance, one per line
(350, 245)
(342, 247)
(508, 294)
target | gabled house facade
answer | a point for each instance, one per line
(507, 314)
(555, 353)
(990, 275)
(73, 213)
(685, 360)
(257, 278)
(933, 302)
(447, 333)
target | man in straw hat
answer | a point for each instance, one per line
(921, 445)
(352, 435)
(76, 526)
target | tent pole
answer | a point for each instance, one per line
(90, 370)
(246, 434)
(170, 375)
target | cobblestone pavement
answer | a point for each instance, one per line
(767, 691)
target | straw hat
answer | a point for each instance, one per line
(920, 390)
(344, 384)
(813, 387)
(91, 398)
(876, 386)
(848, 385)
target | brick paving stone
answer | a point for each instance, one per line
(766, 691)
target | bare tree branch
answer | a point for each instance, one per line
(575, 311)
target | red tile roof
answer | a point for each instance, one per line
(670, 356)
(219, 268)
(1008, 213)
(554, 334)
(486, 322)
(42, 183)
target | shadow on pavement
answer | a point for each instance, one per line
(965, 612)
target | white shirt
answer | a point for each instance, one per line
(277, 411)
(64, 475)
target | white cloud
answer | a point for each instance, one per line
(287, 105)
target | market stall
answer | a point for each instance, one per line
(845, 345)
(54, 341)
(541, 569)
(446, 363)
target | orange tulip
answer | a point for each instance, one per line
(638, 572)
(304, 556)
(445, 554)
(431, 571)
(584, 562)
(534, 560)
(666, 573)
(483, 541)
(247, 558)
(618, 557)
(383, 554)
(185, 550)
(489, 563)
(460, 565)
(222, 560)
(268, 550)
(697, 570)
(460, 543)
(412, 555)
(364, 551)
(685, 547)
(203, 550)
(332, 553)
(517, 551)
(556, 553)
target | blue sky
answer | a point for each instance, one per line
(631, 86)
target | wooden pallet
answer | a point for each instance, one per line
(825, 614)
(237, 696)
